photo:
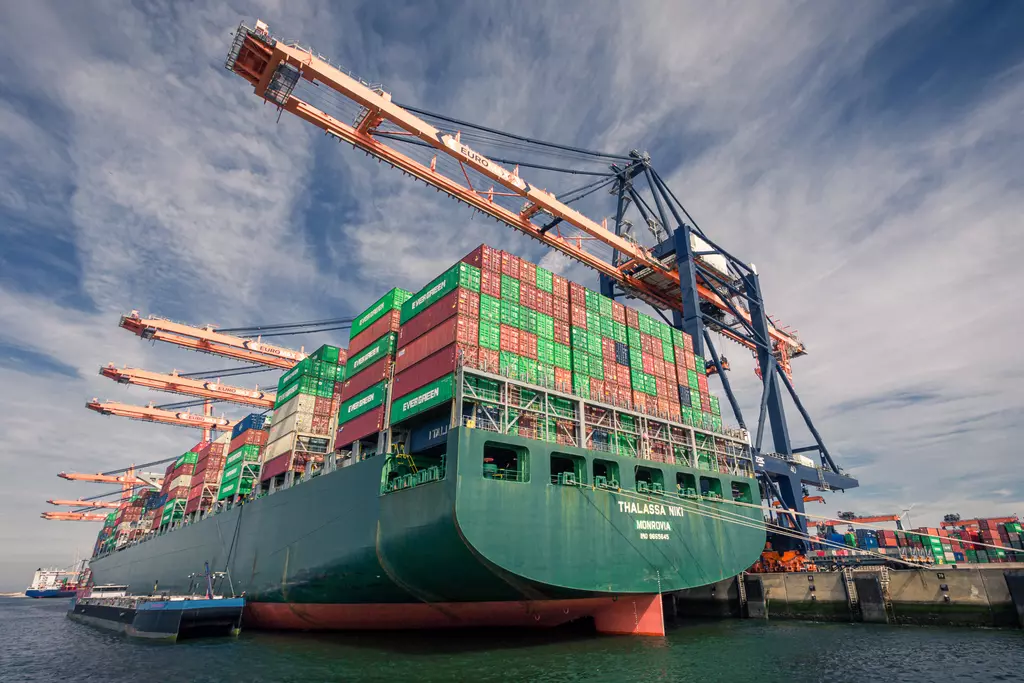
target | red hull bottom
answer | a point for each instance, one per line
(629, 615)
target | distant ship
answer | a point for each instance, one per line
(56, 583)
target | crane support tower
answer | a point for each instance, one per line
(685, 275)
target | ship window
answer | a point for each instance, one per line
(606, 474)
(506, 462)
(568, 469)
(649, 478)
(741, 492)
(686, 483)
(710, 486)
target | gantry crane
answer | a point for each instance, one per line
(151, 413)
(73, 516)
(176, 384)
(976, 523)
(686, 274)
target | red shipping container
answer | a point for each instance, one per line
(544, 302)
(611, 373)
(640, 401)
(490, 283)
(607, 348)
(460, 329)
(484, 258)
(510, 265)
(563, 379)
(386, 323)
(577, 294)
(528, 296)
(199, 446)
(702, 383)
(509, 338)
(618, 312)
(527, 272)
(559, 287)
(578, 316)
(659, 368)
(562, 332)
(656, 348)
(632, 318)
(528, 344)
(192, 505)
(661, 386)
(365, 425)
(596, 388)
(433, 367)
(276, 466)
(463, 302)
(489, 360)
(257, 437)
(177, 492)
(560, 309)
(647, 363)
(377, 372)
(322, 405)
(691, 362)
(687, 342)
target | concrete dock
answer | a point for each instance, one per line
(989, 595)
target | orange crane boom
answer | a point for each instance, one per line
(73, 516)
(85, 503)
(149, 413)
(208, 340)
(273, 68)
(175, 384)
(128, 479)
(976, 523)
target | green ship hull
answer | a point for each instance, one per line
(344, 551)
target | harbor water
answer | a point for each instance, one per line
(41, 644)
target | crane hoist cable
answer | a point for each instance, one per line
(226, 372)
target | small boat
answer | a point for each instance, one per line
(56, 583)
(158, 617)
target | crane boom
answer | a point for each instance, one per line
(128, 480)
(84, 503)
(176, 384)
(273, 68)
(152, 414)
(208, 340)
(73, 516)
(976, 523)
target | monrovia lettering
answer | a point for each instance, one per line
(652, 525)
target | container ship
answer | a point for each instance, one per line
(502, 448)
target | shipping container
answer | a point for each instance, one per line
(459, 275)
(434, 394)
(460, 329)
(386, 323)
(461, 301)
(378, 372)
(431, 368)
(367, 423)
(380, 349)
(363, 402)
(393, 300)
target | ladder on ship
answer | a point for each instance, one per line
(851, 590)
(883, 580)
(741, 590)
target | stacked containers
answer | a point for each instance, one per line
(371, 357)
(177, 483)
(304, 420)
(242, 465)
(439, 324)
(207, 474)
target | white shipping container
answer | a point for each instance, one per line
(180, 480)
(300, 404)
(279, 447)
(296, 422)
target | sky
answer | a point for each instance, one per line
(865, 156)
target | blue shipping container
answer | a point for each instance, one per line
(433, 433)
(621, 353)
(250, 421)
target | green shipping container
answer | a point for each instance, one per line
(635, 359)
(490, 335)
(581, 385)
(327, 354)
(606, 327)
(545, 350)
(594, 321)
(619, 332)
(633, 338)
(578, 336)
(389, 302)
(509, 288)
(593, 301)
(594, 344)
(580, 364)
(668, 352)
(490, 308)
(188, 457)
(432, 395)
(528, 320)
(363, 402)
(528, 370)
(545, 326)
(677, 338)
(716, 407)
(699, 363)
(508, 363)
(298, 370)
(596, 367)
(510, 313)
(544, 280)
(459, 275)
(605, 306)
(563, 356)
(545, 374)
(382, 348)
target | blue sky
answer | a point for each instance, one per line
(866, 156)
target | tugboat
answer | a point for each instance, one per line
(159, 616)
